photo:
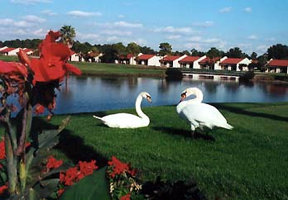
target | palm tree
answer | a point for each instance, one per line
(68, 34)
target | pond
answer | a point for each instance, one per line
(91, 94)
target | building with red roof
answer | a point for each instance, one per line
(191, 62)
(149, 60)
(171, 61)
(235, 64)
(277, 66)
(128, 59)
(9, 51)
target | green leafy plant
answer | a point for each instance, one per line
(33, 82)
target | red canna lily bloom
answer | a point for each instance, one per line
(2, 150)
(3, 188)
(52, 163)
(52, 63)
(126, 197)
(13, 69)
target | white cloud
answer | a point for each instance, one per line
(252, 37)
(49, 12)
(171, 29)
(78, 13)
(204, 24)
(112, 39)
(127, 24)
(225, 10)
(90, 36)
(33, 19)
(173, 37)
(6, 21)
(27, 2)
(195, 39)
(248, 9)
(116, 32)
(22, 23)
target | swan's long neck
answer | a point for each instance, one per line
(138, 108)
(198, 96)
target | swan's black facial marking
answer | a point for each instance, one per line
(183, 96)
(148, 98)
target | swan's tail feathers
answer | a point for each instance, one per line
(228, 126)
(97, 117)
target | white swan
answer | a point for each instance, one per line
(126, 120)
(199, 114)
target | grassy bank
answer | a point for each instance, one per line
(249, 162)
(104, 69)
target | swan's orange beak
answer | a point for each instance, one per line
(149, 99)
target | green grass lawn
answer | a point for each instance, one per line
(248, 162)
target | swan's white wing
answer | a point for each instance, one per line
(124, 120)
(201, 114)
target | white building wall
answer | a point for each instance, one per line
(74, 57)
(154, 61)
(196, 64)
(2, 48)
(217, 64)
(13, 52)
(245, 61)
(176, 63)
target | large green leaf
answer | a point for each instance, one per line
(91, 187)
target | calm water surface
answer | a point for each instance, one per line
(91, 94)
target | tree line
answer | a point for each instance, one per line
(111, 52)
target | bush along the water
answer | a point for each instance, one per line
(173, 74)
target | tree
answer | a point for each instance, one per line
(214, 53)
(253, 55)
(278, 51)
(133, 48)
(68, 34)
(147, 50)
(235, 53)
(195, 52)
(165, 48)
(119, 48)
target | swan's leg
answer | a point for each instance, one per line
(192, 130)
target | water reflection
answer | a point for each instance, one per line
(91, 94)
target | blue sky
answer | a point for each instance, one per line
(251, 25)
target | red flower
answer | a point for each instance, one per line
(13, 69)
(126, 197)
(69, 177)
(52, 63)
(75, 174)
(118, 167)
(3, 188)
(87, 168)
(52, 163)
(2, 150)
(60, 192)
(39, 109)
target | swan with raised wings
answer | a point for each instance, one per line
(200, 114)
(127, 120)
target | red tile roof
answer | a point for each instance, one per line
(189, 59)
(169, 58)
(278, 63)
(231, 61)
(7, 50)
(208, 60)
(145, 57)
